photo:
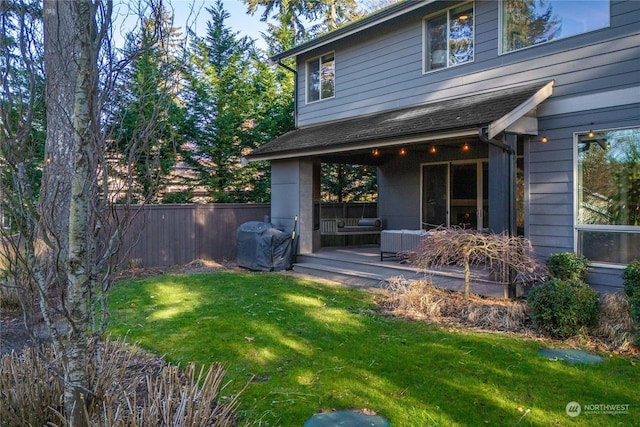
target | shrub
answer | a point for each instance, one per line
(631, 278)
(185, 196)
(132, 389)
(568, 266)
(563, 307)
(614, 330)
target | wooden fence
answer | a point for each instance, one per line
(165, 235)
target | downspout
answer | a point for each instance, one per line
(510, 290)
(510, 184)
(295, 91)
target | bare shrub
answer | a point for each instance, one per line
(132, 389)
(423, 300)
(9, 298)
(614, 330)
(416, 297)
(29, 391)
(498, 252)
(497, 315)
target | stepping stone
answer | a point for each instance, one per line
(571, 356)
(346, 419)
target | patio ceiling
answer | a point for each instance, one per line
(448, 119)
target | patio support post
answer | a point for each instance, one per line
(502, 184)
(292, 190)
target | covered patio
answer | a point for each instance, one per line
(445, 163)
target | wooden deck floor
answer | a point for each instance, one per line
(360, 266)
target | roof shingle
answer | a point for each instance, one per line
(466, 112)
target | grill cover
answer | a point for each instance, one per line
(262, 247)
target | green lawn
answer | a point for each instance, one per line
(311, 347)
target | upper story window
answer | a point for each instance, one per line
(527, 23)
(448, 38)
(321, 77)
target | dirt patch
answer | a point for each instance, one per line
(13, 335)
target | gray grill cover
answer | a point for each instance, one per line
(264, 248)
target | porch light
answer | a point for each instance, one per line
(432, 150)
(544, 139)
(591, 134)
(403, 151)
(375, 152)
(465, 147)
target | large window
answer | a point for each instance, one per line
(608, 218)
(527, 23)
(321, 77)
(448, 38)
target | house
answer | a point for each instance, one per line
(494, 115)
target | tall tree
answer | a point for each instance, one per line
(306, 19)
(70, 239)
(149, 95)
(232, 104)
(348, 183)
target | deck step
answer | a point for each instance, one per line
(368, 271)
(351, 277)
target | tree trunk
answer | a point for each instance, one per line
(71, 81)
(61, 47)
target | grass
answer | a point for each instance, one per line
(308, 347)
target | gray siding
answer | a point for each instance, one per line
(399, 185)
(381, 69)
(551, 183)
(597, 86)
(399, 194)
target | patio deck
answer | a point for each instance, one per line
(360, 267)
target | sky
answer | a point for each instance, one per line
(245, 24)
(194, 13)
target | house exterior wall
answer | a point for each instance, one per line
(381, 69)
(597, 86)
(292, 193)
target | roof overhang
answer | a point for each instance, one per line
(518, 114)
(369, 21)
(510, 109)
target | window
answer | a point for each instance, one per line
(528, 23)
(608, 217)
(448, 38)
(321, 77)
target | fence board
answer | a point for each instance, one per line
(165, 235)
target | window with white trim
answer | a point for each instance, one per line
(528, 23)
(321, 77)
(608, 196)
(449, 38)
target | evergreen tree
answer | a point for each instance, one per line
(22, 109)
(149, 95)
(306, 19)
(233, 104)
